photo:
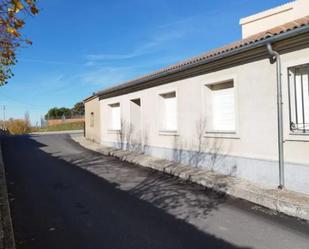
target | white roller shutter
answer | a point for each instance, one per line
(223, 109)
(115, 117)
(170, 114)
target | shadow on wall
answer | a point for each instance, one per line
(200, 152)
(149, 201)
(129, 138)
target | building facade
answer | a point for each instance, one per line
(219, 110)
(92, 119)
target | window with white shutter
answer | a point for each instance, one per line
(115, 117)
(299, 98)
(221, 107)
(168, 109)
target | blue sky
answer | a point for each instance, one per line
(80, 47)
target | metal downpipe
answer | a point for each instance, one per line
(275, 57)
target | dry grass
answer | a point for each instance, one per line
(18, 126)
(62, 127)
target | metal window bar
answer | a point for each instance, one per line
(302, 101)
(289, 96)
(299, 123)
(295, 97)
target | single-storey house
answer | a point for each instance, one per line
(242, 109)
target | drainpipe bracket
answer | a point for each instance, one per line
(281, 187)
(272, 59)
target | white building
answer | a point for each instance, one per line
(219, 110)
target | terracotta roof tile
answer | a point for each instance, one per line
(219, 51)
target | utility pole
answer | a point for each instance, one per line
(4, 117)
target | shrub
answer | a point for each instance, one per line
(18, 126)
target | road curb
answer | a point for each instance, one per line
(7, 240)
(57, 132)
(283, 201)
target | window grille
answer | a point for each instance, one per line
(298, 85)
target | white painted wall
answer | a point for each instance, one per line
(274, 17)
(135, 120)
(250, 151)
(92, 113)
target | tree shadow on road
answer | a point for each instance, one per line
(183, 199)
(93, 203)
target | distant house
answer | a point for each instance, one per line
(219, 110)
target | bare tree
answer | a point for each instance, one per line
(121, 134)
(27, 118)
(145, 140)
(202, 151)
(136, 142)
(210, 151)
(128, 135)
(200, 126)
(125, 135)
(179, 149)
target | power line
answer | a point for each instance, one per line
(37, 107)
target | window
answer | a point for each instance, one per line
(299, 98)
(115, 118)
(221, 107)
(135, 114)
(168, 110)
(91, 119)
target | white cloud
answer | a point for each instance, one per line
(144, 49)
(164, 35)
(179, 22)
(108, 75)
(50, 62)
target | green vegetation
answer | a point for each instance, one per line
(58, 113)
(61, 127)
(78, 109)
(55, 112)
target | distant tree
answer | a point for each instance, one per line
(78, 109)
(12, 15)
(66, 112)
(51, 113)
(56, 112)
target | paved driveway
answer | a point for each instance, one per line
(64, 196)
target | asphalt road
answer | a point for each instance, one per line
(63, 196)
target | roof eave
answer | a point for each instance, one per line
(90, 98)
(251, 46)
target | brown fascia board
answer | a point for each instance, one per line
(243, 54)
(90, 98)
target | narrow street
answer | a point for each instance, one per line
(63, 196)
